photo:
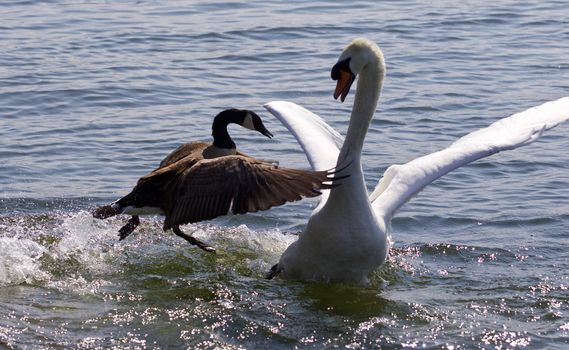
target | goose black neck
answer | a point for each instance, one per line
(219, 132)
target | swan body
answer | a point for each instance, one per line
(347, 235)
(343, 238)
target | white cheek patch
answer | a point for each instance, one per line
(248, 122)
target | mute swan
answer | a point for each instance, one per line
(202, 180)
(346, 236)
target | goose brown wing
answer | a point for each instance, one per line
(193, 149)
(241, 184)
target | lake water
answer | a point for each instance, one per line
(93, 94)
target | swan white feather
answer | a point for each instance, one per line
(320, 142)
(399, 183)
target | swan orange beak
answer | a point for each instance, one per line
(342, 73)
(343, 85)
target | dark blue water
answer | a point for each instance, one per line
(93, 94)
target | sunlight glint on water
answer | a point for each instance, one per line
(94, 94)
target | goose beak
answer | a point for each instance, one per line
(260, 127)
(253, 121)
(266, 133)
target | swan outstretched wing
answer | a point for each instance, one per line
(320, 142)
(401, 182)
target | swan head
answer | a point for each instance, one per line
(354, 59)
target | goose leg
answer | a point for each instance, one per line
(275, 270)
(129, 227)
(193, 240)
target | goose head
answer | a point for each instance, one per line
(252, 121)
(356, 57)
(245, 118)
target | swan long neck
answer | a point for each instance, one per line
(369, 86)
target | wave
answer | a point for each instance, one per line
(19, 262)
(64, 247)
(413, 221)
(74, 250)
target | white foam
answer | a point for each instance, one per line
(19, 261)
(267, 245)
(78, 253)
(87, 245)
(62, 257)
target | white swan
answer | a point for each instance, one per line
(346, 237)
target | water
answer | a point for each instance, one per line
(94, 93)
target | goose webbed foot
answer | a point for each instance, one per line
(106, 211)
(275, 270)
(193, 240)
(129, 227)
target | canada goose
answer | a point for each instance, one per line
(203, 180)
(347, 235)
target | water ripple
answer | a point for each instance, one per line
(95, 93)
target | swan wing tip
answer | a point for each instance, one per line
(274, 104)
